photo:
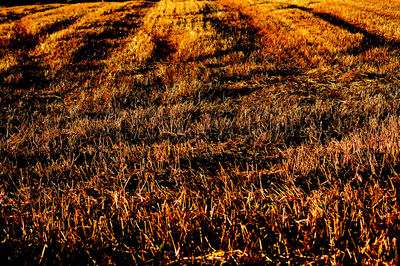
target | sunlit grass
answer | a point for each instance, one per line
(200, 132)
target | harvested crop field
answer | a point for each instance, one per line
(191, 131)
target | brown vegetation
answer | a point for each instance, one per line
(200, 131)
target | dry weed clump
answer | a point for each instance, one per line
(200, 132)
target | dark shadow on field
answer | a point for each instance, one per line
(30, 72)
(164, 49)
(99, 46)
(370, 40)
(248, 42)
(247, 38)
(24, 81)
(10, 15)
(27, 81)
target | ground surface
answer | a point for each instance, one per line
(200, 131)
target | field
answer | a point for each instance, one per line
(191, 131)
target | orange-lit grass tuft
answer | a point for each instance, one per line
(199, 132)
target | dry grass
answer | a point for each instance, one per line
(200, 132)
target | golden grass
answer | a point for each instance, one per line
(200, 132)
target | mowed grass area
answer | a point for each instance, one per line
(200, 132)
